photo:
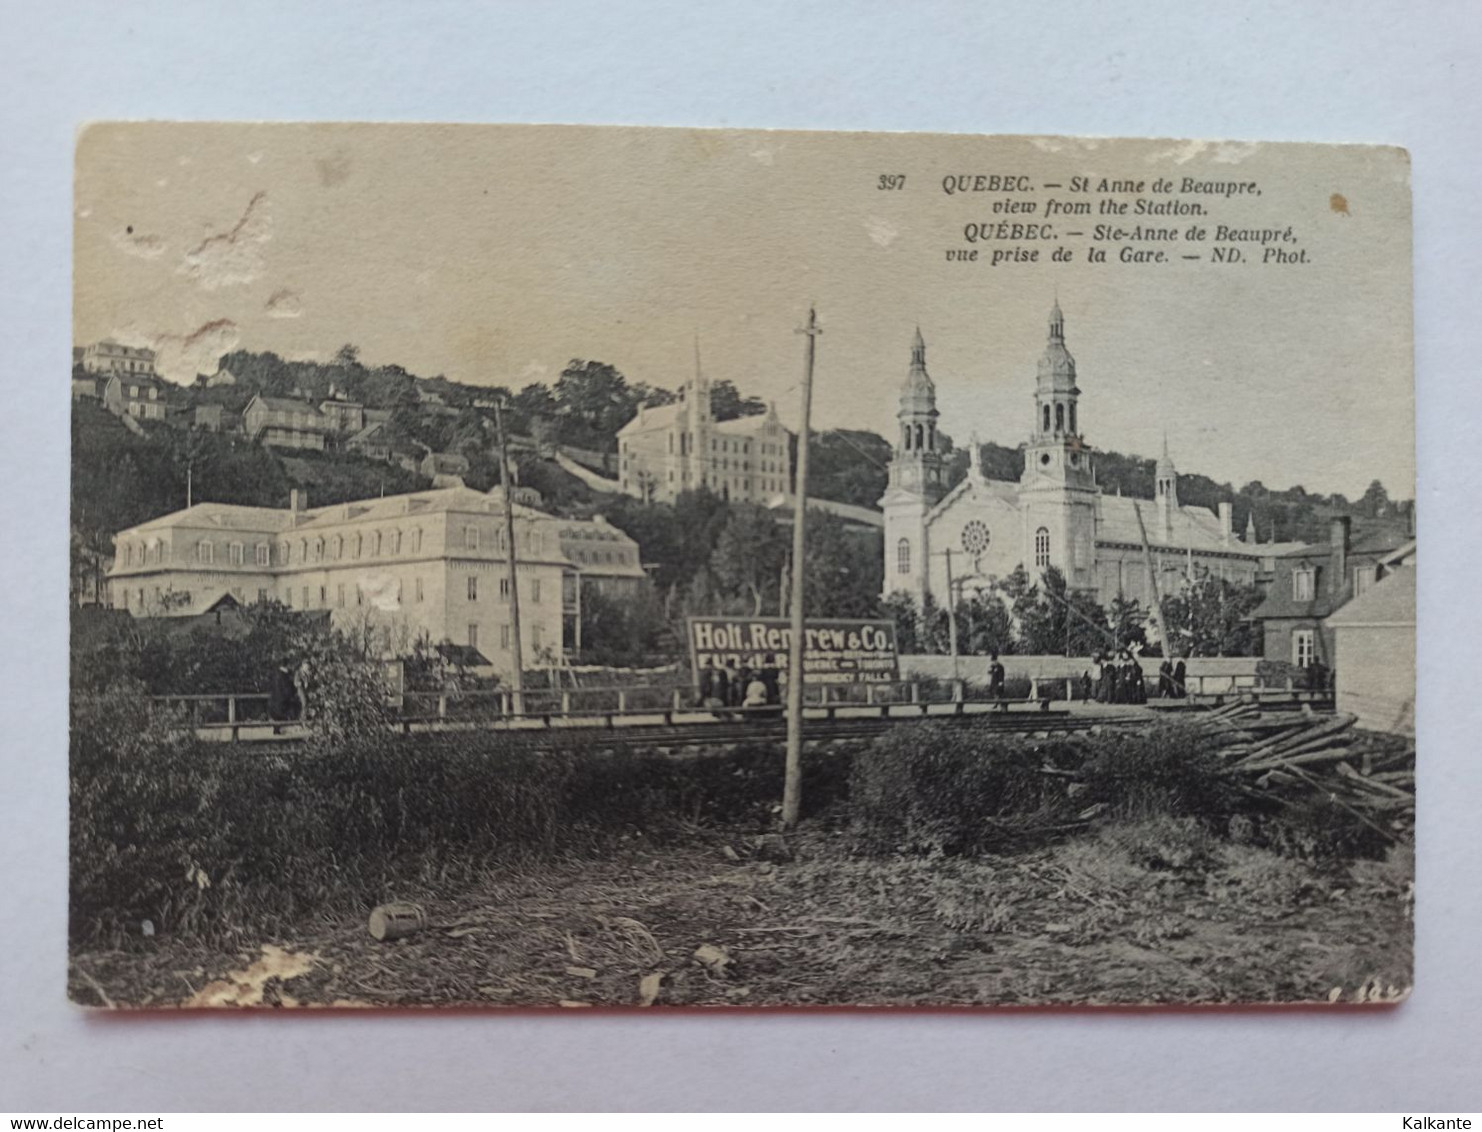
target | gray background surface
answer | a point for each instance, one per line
(1395, 73)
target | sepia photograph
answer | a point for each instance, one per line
(636, 567)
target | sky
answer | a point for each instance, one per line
(493, 255)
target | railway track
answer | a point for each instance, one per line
(595, 734)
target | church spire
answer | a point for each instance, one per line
(917, 464)
(1251, 538)
(1057, 322)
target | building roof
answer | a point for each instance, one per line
(746, 425)
(286, 405)
(1389, 601)
(225, 516)
(1190, 528)
(124, 377)
(655, 417)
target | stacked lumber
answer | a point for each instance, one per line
(1372, 776)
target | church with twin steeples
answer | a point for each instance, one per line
(1054, 514)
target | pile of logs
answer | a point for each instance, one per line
(1370, 775)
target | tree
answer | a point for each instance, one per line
(848, 465)
(1375, 501)
(1051, 619)
(623, 632)
(900, 607)
(595, 402)
(843, 571)
(748, 556)
(727, 404)
(1127, 620)
(1210, 616)
(984, 625)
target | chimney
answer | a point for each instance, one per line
(1227, 522)
(1339, 538)
(298, 501)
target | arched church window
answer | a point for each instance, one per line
(920, 436)
(903, 556)
(1041, 548)
(1072, 417)
(1047, 419)
(1059, 418)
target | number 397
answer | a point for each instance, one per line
(892, 181)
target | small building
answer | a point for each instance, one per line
(373, 442)
(1374, 651)
(215, 418)
(140, 396)
(343, 416)
(436, 464)
(282, 422)
(1311, 582)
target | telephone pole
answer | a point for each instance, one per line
(792, 787)
(517, 683)
(952, 623)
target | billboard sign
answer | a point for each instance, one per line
(835, 651)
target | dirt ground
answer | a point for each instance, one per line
(744, 921)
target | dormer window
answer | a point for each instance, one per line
(1303, 583)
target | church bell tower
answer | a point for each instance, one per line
(1058, 485)
(918, 480)
(918, 465)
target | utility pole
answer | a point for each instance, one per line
(792, 788)
(189, 485)
(952, 623)
(1147, 557)
(517, 683)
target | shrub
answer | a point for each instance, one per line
(200, 838)
(1168, 770)
(936, 787)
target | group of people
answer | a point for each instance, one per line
(722, 686)
(1119, 679)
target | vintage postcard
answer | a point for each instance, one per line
(555, 566)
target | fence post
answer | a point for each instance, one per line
(622, 700)
(915, 692)
(565, 702)
(231, 712)
(677, 699)
(442, 705)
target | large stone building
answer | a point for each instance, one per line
(428, 565)
(1053, 515)
(109, 357)
(669, 449)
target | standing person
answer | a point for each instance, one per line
(722, 686)
(741, 686)
(1165, 680)
(301, 686)
(770, 679)
(282, 699)
(996, 677)
(707, 682)
(1180, 679)
(1137, 692)
(1104, 674)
